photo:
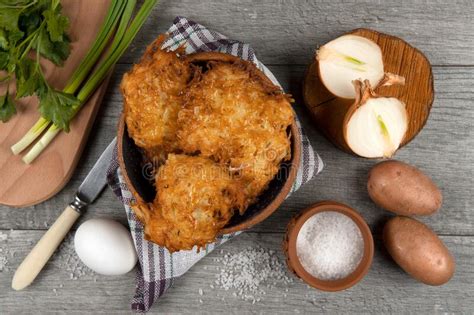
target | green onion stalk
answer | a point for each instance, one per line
(124, 35)
(103, 37)
(126, 32)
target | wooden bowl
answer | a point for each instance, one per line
(398, 58)
(294, 264)
(136, 173)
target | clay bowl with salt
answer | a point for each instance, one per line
(359, 246)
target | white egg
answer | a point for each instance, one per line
(105, 246)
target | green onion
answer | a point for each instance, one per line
(42, 143)
(120, 43)
(97, 48)
(108, 28)
(122, 40)
(30, 136)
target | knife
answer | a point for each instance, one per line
(87, 193)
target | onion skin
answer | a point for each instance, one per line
(418, 251)
(332, 117)
(403, 189)
(364, 94)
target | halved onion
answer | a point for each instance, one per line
(348, 58)
(377, 124)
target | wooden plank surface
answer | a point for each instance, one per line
(444, 149)
(284, 34)
(442, 30)
(385, 289)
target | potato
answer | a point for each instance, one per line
(418, 250)
(403, 189)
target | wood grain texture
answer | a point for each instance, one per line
(54, 167)
(40, 254)
(443, 31)
(285, 33)
(444, 150)
(385, 289)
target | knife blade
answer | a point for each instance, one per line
(96, 180)
(87, 193)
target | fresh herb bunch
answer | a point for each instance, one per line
(59, 107)
(34, 25)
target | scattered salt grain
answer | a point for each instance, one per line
(200, 292)
(330, 245)
(249, 272)
(4, 253)
(67, 259)
(3, 236)
(3, 263)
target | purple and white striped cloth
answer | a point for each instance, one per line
(158, 268)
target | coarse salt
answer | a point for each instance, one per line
(247, 273)
(3, 263)
(67, 259)
(330, 245)
(3, 236)
(3, 256)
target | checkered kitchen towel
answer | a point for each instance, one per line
(158, 268)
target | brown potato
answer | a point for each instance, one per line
(418, 250)
(403, 189)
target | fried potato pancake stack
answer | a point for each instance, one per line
(152, 93)
(221, 128)
(234, 116)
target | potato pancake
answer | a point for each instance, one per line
(152, 93)
(195, 199)
(233, 114)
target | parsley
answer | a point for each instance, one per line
(56, 24)
(50, 40)
(34, 25)
(58, 107)
(7, 107)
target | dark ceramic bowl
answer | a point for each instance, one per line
(136, 173)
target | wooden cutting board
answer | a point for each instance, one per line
(24, 185)
(400, 58)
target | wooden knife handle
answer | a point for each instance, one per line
(44, 249)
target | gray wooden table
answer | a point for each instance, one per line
(284, 35)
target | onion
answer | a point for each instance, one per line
(375, 126)
(349, 58)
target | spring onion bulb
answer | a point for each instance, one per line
(126, 31)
